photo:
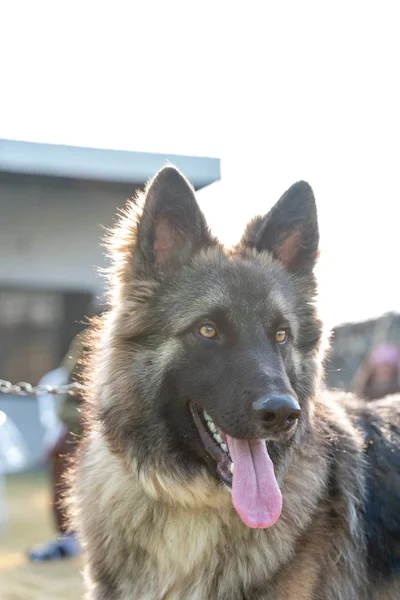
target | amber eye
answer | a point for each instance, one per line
(208, 331)
(281, 336)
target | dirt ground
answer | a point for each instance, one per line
(30, 523)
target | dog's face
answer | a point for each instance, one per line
(214, 354)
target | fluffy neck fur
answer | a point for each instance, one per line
(174, 544)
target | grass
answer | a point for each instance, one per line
(30, 522)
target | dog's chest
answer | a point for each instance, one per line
(199, 557)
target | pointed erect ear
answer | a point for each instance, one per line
(171, 227)
(289, 231)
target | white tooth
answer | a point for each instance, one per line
(232, 468)
(217, 438)
(207, 416)
(212, 426)
(224, 447)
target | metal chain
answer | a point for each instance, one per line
(26, 389)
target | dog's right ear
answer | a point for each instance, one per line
(171, 228)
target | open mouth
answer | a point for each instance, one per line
(245, 466)
(214, 442)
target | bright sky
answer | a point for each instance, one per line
(280, 91)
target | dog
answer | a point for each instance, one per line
(215, 465)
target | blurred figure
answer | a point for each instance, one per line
(66, 544)
(379, 375)
(48, 405)
(14, 456)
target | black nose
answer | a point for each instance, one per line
(277, 412)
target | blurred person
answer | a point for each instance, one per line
(48, 406)
(14, 456)
(66, 544)
(379, 374)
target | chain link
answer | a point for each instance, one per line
(26, 389)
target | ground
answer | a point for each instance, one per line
(30, 522)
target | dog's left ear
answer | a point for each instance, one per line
(289, 231)
(172, 227)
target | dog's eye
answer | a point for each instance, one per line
(281, 336)
(208, 331)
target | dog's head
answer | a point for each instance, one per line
(210, 358)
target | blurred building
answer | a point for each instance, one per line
(54, 203)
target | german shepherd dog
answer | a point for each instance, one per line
(214, 466)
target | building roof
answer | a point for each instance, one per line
(102, 165)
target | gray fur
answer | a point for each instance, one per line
(153, 520)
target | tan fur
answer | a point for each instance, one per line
(186, 530)
(154, 532)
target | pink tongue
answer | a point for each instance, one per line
(255, 492)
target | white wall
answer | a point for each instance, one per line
(50, 231)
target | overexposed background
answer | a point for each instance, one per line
(279, 91)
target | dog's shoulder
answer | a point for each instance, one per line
(379, 423)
